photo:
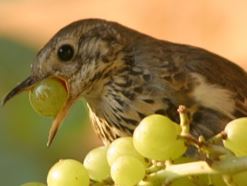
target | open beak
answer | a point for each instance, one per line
(62, 113)
(27, 85)
(23, 86)
(59, 119)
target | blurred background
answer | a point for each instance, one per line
(26, 25)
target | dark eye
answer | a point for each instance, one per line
(65, 52)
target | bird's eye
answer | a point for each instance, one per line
(65, 52)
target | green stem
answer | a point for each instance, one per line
(226, 166)
(184, 120)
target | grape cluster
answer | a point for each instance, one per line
(155, 155)
(126, 159)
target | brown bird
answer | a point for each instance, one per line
(125, 75)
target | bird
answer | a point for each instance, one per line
(126, 75)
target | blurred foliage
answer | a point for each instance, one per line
(24, 156)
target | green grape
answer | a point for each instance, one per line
(96, 164)
(236, 132)
(127, 171)
(48, 96)
(68, 172)
(156, 137)
(122, 146)
(33, 184)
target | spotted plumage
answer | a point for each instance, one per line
(125, 75)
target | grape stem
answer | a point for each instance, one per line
(211, 148)
(226, 166)
(184, 120)
(213, 164)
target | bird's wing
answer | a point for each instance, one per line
(178, 64)
(220, 72)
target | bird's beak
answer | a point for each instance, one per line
(59, 119)
(27, 84)
(23, 86)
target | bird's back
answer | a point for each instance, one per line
(159, 76)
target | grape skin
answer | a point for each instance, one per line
(122, 146)
(68, 172)
(48, 96)
(96, 164)
(236, 131)
(127, 171)
(156, 137)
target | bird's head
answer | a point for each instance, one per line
(80, 54)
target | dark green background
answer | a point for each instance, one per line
(24, 156)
